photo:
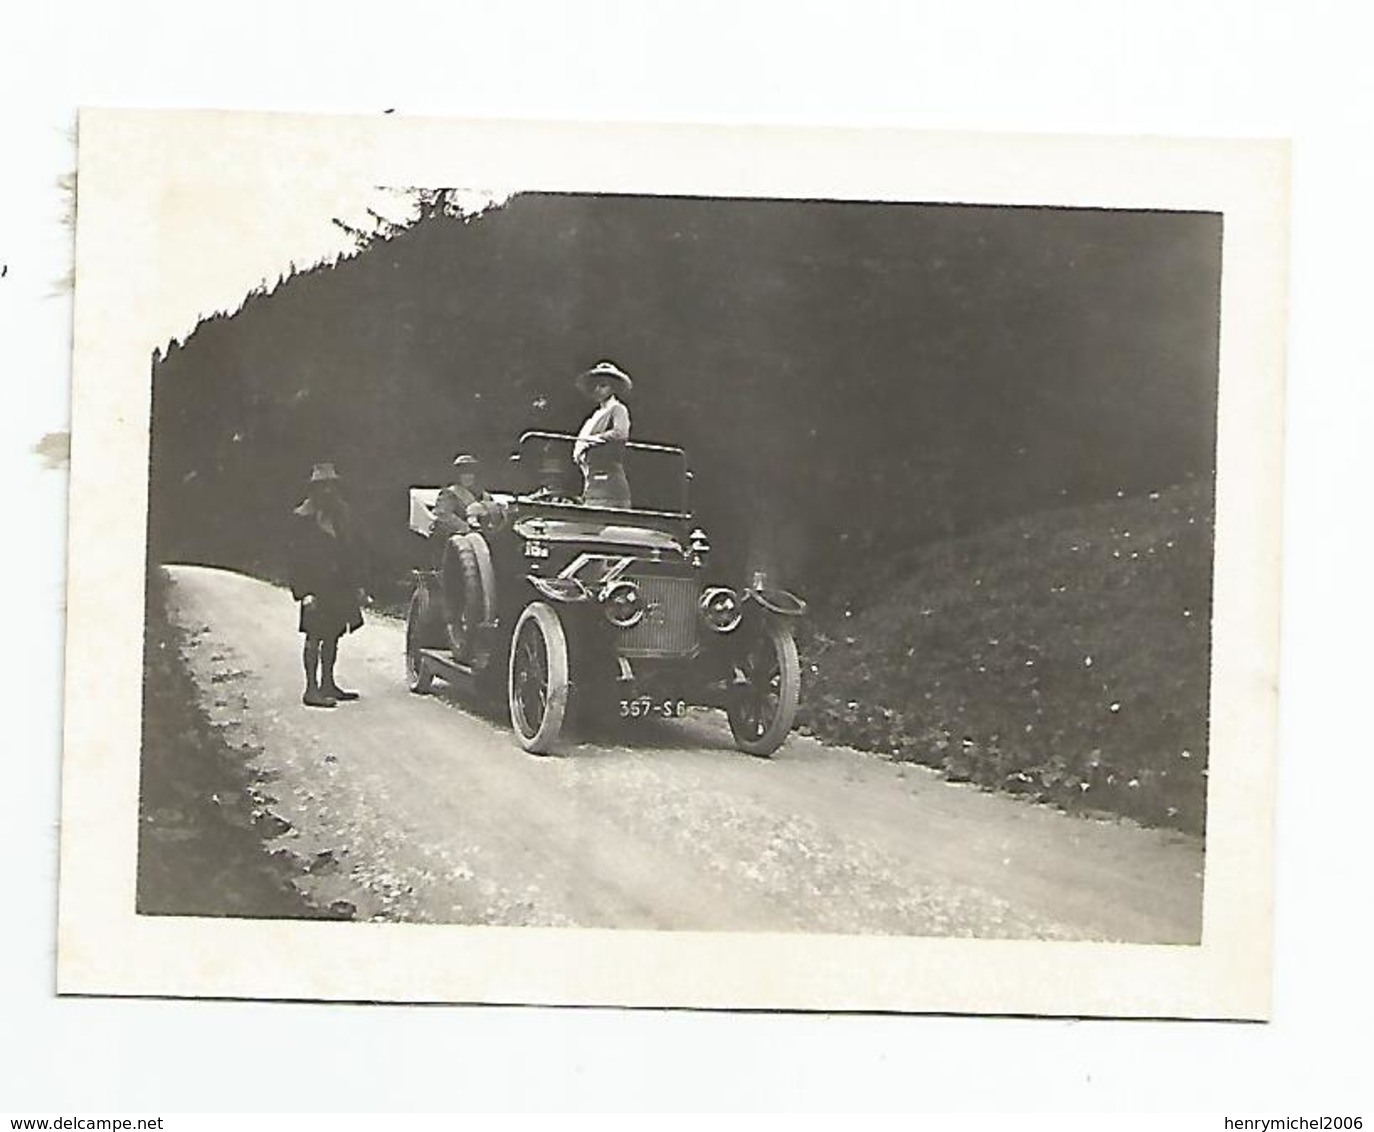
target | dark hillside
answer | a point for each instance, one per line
(1064, 655)
(847, 378)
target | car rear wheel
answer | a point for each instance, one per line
(419, 677)
(765, 706)
(538, 678)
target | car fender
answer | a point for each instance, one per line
(562, 591)
(779, 602)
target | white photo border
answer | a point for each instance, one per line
(139, 174)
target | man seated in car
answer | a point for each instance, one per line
(464, 504)
(550, 472)
(462, 510)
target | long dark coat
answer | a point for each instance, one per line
(325, 562)
(451, 510)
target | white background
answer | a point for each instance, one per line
(1162, 68)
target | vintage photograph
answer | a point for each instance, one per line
(848, 565)
(680, 562)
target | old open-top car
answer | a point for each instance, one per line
(598, 609)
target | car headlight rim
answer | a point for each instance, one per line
(623, 604)
(721, 609)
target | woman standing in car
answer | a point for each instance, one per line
(600, 447)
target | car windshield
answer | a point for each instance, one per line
(657, 472)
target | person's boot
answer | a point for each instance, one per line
(315, 697)
(330, 689)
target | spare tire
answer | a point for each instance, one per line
(467, 594)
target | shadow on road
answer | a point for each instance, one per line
(592, 733)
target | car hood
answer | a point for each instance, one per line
(605, 534)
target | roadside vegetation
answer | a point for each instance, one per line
(201, 825)
(1063, 656)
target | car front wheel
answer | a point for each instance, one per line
(764, 705)
(419, 678)
(538, 678)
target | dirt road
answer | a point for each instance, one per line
(422, 808)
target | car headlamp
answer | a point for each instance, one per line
(721, 608)
(623, 604)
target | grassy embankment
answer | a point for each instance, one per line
(202, 818)
(1063, 656)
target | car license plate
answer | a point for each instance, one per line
(646, 707)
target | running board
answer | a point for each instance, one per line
(444, 665)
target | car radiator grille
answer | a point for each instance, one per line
(669, 628)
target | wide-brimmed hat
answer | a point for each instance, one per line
(324, 473)
(604, 371)
(466, 460)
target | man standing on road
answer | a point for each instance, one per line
(325, 579)
(600, 447)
